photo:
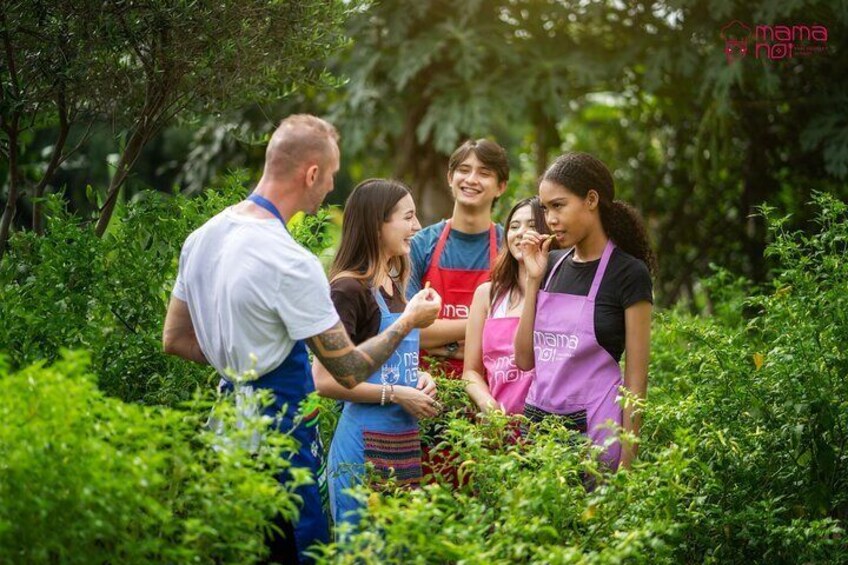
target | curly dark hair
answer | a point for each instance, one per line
(579, 173)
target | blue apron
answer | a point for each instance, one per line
(291, 382)
(386, 436)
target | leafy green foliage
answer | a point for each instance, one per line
(90, 479)
(743, 457)
(695, 143)
(69, 289)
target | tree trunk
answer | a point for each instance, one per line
(125, 163)
(429, 177)
(547, 138)
(55, 160)
(756, 184)
(424, 168)
(12, 200)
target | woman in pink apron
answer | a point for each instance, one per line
(587, 306)
(493, 380)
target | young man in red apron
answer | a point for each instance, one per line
(455, 255)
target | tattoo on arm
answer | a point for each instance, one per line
(349, 364)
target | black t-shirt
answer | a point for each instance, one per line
(358, 310)
(626, 282)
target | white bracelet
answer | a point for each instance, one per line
(383, 395)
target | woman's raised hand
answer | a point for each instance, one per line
(534, 252)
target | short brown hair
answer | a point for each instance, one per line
(490, 153)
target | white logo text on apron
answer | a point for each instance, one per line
(554, 346)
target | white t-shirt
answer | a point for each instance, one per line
(251, 289)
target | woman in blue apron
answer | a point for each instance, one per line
(379, 422)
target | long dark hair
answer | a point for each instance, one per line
(367, 208)
(579, 173)
(504, 275)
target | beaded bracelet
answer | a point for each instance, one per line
(383, 395)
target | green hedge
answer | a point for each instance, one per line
(744, 452)
(85, 478)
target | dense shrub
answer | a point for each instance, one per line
(69, 289)
(86, 478)
(744, 451)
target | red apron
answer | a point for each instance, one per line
(456, 287)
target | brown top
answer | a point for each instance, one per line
(358, 309)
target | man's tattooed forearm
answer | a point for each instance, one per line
(351, 365)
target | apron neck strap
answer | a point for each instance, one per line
(266, 204)
(602, 268)
(381, 302)
(493, 246)
(440, 245)
(556, 267)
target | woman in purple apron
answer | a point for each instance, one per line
(379, 421)
(493, 380)
(587, 306)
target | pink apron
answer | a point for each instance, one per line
(507, 383)
(573, 372)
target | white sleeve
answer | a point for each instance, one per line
(179, 284)
(179, 288)
(304, 302)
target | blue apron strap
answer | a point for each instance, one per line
(263, 202)
(381, 302)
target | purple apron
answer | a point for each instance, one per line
(573, 372)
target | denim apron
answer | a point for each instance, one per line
(291, 382)
(385, 436)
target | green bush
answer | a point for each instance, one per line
(85, 478)
(69, 289)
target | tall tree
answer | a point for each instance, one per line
(41, 81)
(425, 75)
(143, 63)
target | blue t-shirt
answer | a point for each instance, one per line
(462, 251)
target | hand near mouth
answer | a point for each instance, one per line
(534, 250)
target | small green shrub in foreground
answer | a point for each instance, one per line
(89, 479)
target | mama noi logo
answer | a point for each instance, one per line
(773, 42)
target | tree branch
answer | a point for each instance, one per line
(55, 160)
